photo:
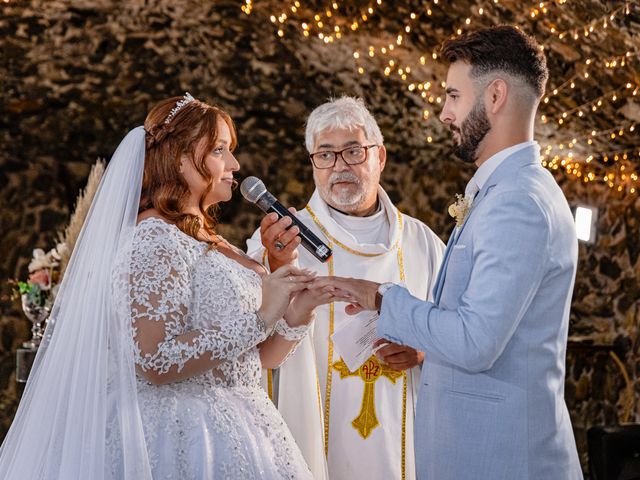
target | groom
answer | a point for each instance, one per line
(491, 405)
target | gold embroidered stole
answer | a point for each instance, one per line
(371, 370)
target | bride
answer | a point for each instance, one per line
(151, 362)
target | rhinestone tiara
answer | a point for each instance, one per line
(186, 99)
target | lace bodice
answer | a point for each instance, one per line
(190, 305)
(195, 332)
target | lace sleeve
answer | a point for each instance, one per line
(160, 288)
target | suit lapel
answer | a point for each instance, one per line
(508, 167)
(437, 290)
(481, 194)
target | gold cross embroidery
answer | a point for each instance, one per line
(369, 372)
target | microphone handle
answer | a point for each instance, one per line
(310, 241)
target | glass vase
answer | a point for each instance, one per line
(37, 314)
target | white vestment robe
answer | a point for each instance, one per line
(332, 412)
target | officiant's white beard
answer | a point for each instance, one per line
(344, 199)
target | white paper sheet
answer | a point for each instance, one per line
(354, 340)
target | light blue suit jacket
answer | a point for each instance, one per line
(491, 404)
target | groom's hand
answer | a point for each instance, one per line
(359, 294)
(398, 357)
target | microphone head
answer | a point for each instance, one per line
(252, 188)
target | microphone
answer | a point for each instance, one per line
(253, 189)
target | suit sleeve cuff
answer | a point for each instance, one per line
(386, 326)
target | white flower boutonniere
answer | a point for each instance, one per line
(460, 209)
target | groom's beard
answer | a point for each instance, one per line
(472, 131)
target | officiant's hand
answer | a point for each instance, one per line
(398, 357)
(281, 244)
(359, 294)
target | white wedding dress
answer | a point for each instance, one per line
(215, 425)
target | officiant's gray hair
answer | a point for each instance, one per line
(344, 112)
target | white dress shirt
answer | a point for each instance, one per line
(487, 168)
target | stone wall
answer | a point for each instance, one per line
(76, 76)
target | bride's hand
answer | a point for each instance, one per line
(278, 289)
(300, 311)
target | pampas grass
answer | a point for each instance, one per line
(83, 202)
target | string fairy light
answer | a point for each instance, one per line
(388, 50)
(622, 176)
(467, 22)
(422, 88)
(328, 29)
(593, 105)
(394, 65)
(590, 27)
(611, 63)
(621, 61)
(542, 8)
(394, 56)
(325, 24)
(611, 134)
(625, 156)
(247, 7)
(538, 9)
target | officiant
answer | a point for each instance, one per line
(360, 422)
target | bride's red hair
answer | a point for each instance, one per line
(163, 187)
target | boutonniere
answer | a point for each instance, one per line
(460, 209)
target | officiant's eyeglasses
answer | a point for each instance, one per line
(352, 155)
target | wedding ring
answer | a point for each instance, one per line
(279, 245)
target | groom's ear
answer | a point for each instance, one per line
(496, 93)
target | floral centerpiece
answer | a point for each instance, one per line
(38, 293)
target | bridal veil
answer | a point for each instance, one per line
(82, 389)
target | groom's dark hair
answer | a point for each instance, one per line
(500, 48)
